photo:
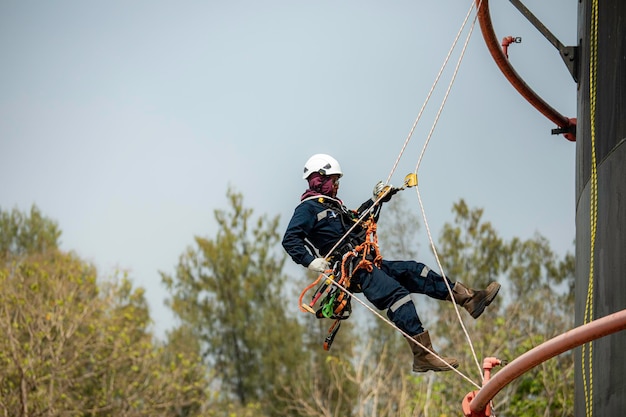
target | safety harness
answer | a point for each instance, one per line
(335, 286)
(335, 301)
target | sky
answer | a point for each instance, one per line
(127, 122)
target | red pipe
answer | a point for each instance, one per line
(547, 350)
(506, 41)
(486, 27)
(488, 365)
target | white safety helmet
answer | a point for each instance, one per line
(322, 163)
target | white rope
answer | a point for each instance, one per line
(406, 142)
(408, 139)
(432, 244)
(392, 324)
(430, 238)
(456, 308)
(428, 96)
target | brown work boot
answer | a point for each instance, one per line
(424, 361)
(474, 301)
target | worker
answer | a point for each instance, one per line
(320, 222)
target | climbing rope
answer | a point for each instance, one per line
(329, 279)
(410, 135)
(430, 92)
(593, 208)
(390, 323)
(364, 250)
(430, 238)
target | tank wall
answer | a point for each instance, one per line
(608, 365)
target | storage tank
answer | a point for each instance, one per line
(600, 377)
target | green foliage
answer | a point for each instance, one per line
(321, 385)
(534, 305)
(23, 234)
(472, 249)
(229, 290)
(75, 347)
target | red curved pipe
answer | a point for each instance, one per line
(555, 346)
(486, 27)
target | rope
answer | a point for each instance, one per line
(593, 207)
(409, 136)
(445, 98)
(380, 197)
(389, 322)
(430, 238)
(370, 243)
(456, 308)
(313, 284)
(430, 92)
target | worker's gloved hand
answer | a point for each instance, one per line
(380, 188)
(319, 265)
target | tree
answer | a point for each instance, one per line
(322, 387)
(72, 346)
(230, 291)
(22, 234)
(534, 305)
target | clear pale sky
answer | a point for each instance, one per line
(126, 122)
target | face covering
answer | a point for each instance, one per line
(320, 184)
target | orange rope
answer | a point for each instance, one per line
(319, 278)
(364, 250)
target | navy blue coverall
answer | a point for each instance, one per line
(322, 221)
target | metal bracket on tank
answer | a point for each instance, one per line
(569, 54)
